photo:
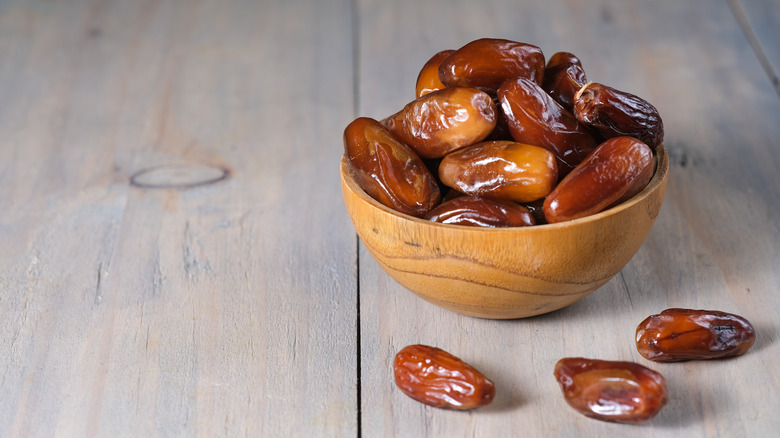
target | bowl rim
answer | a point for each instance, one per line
(660, 174)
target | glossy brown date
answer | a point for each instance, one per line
(616, 113)
(428, 79)
(486, 63)
(616, 170)
(677, 335)
(443, 121)
(504, 170)
(387, 170)
(563, 77)
(620, 392)
(559, 60)
(432, 376)
(534, 117)
(474, 211)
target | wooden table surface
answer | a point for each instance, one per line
(176, 259)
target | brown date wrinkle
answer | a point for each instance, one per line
(614, 172)
(503, 170)
(614, 391)
(387, 170)
(616, 113)
(677, 335)
(436, 378)
(474, 211)
(486, 63)
(563, 78)
(443, 121)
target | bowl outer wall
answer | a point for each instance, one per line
(505, 273)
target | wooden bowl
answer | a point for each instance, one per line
(505, 273)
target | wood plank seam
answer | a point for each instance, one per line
(355, 23)
(755, 44)
(357, 337)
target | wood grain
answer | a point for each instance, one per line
(170, 309)
(714, 244)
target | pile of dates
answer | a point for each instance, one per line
(496, 137)
(614, 391)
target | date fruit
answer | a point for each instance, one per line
(486, 63)
(388, 170)
(432, 376)
(677, 335)
(503, 170)
(428, 80)
(563, 77)
(620, 392)
(534, 117)
(474, 211)
(616, 113)
(616, 170)
(443, 121)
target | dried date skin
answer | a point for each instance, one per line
(503, 170)
(537, 210)
(677, 335)
(486, 63)
(474, 211)
(559, 59)
(617, 113)
(534, 117)
(620, 392)
(443, 121)
(387, 170)
(436, 378)
(428, 79)
(501, 131)
(617, 170)
(563, 77)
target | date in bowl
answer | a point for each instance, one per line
(505, 273)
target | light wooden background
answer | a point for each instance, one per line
(135, 301)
